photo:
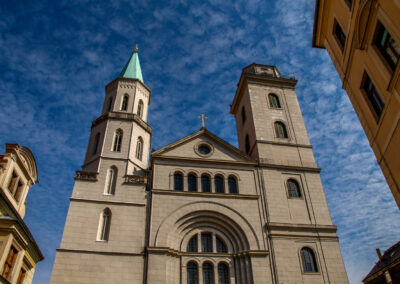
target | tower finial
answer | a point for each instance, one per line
(136, 48)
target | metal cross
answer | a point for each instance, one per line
(136, 48)
(202, 117)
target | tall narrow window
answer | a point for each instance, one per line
(96, 142)
(140, 109)
(243, 114)
(117, 141)
(308, 259)
(232, 184)
(10, 262)
(192, 245)
(192, 273)
(221, 247)
(223, 273)
(13, 182)
(219, 184)
(192, 182)
(110, 100)
(139, 148)
(280, 130)
(375, 101)
(206, 242)
(208, 273)
(21, 276)
(389, 49)
(124, 105)
(274, 101)
(247, 144)
(178, 181)
(111, 180)
(205, 183)
(105, 225)
(18, 190)
(339, 34)
(293, 188)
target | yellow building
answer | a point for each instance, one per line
(363, 40)
(19, 252)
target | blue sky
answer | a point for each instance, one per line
(57, 56)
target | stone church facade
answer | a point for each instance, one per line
(201, 210)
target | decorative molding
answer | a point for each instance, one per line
(86, 176)
(269, 163)
(107, 201)
(205, 194)
(175, 253)
(288, 226)
(284, 144)
(100, 252)
(123, 116)
(135, 179)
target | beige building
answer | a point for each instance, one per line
(363, 40)
(205, 211)
(19, 252)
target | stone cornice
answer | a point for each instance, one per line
(204, 194)
(100, 252)
(175, 253)
(123, 116)
(102, 201)
(202, 161)
(265, 163)
(284, 144)
(86, 176)
(288, 226)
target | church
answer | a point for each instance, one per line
(200, 210)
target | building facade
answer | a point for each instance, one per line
(19, 252)
(363, 40)
(204, 211)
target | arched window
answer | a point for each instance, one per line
(219, 184)
(274, 101)
(96, 143)
(243, 114)
(293, 188)
(208, 273)
(205, 183)
(280, 130)
(206, 242)
(140, 109)
(223, 273)
(192, 273)
(104, 226)
(111, 180)
(232, 184)
(192, 182)
(139, 148)
(178, 181)
(124, 105)
(192, 244)
(308, 259)
(221, 247)
(117, 141)
(109, 104)
(247, 144)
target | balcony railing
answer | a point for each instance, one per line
(86, 176)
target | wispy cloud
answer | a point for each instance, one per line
(57, 60)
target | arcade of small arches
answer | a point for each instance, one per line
(193, 183)
(124, 105)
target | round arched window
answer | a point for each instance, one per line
(204, 149)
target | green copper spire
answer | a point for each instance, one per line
(132, 68)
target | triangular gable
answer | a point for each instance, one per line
(186, 148)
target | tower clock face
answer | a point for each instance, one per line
(204, 149)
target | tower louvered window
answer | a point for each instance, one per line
(140, 109)
(293, 188)
(139, 148)
(124, 105)
(280, 130)
(308, 259)
(274, 101)
(117, 141)
(105, 225)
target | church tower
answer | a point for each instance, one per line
(271, 129)
(104, 234)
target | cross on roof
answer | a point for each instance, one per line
(202, 117)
